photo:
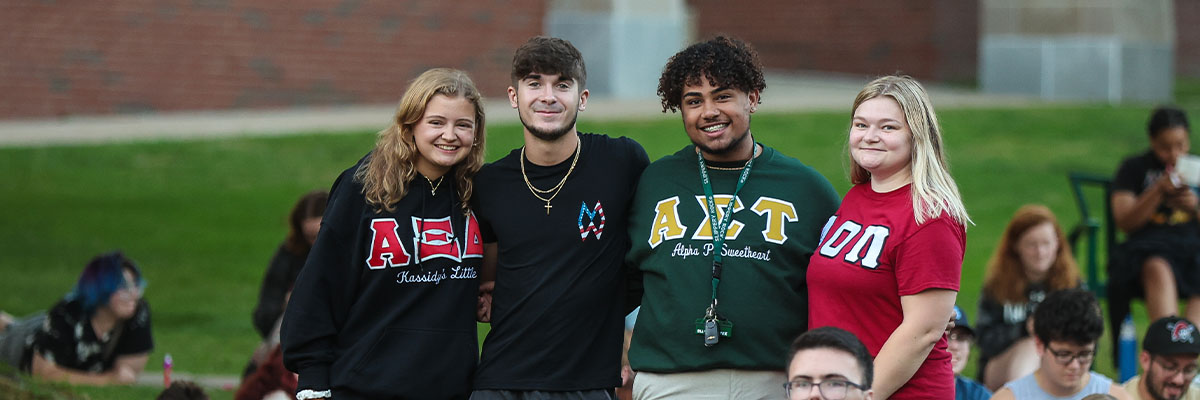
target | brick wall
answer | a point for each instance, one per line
(100, 57)
(1187, 41)
(929, 39)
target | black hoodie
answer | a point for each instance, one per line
(377, 314)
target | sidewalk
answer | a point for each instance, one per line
(784, 93)
(221, 382)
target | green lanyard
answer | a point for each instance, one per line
(720, 225)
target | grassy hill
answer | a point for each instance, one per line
(203, 217)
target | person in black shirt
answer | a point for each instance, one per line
(384, 306)
(99, 334)
(553, 218)
(1158, 213)
(304, 221)
(1033, 258)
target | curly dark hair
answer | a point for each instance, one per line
(724, 61)
(549, 55)
(1069, 315)
(1165, 117)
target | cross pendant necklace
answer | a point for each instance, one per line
(554, 191)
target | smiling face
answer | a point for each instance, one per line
(717, 120)
(1167, 377)
(444, 134)
(123, 302)
(548, 104)
(880, 141)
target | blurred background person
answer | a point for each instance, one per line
(303, 224)
(304, 221)
(270, 380)
(1168, 360)
(98, 334)
(1030, 260)
(1157, 212)
(1066, 327)
(182, 390)
(959, 346)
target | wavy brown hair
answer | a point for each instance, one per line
(311, 205)
(1006, 281)
(392, 164)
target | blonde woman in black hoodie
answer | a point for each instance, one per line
(385, 305)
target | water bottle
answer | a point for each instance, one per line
(167, 364)
(1127, 350)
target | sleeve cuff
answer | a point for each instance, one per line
(314, 377)
(307, 394)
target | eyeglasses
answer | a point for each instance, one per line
(1065, 357)
(831, 389)
(1188, 370)
(130, 289)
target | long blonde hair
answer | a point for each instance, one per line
(391, 166)
(933, 189)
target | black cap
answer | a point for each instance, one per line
(1172, 335)
(960, 320)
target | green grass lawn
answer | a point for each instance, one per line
(203, 217)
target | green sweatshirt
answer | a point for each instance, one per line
(776, 225)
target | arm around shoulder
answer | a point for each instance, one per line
(487, 283)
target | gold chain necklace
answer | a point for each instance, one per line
(557, 188)
(433, 188)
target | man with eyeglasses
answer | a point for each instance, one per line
(829, 363)
(1168, 359)
(1066, 326)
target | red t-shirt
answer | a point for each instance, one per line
(871, 253)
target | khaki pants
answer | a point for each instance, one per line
(714, 384)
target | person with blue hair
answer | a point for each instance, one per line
(98, 334)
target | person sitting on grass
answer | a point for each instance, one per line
(1066, 326)
(99, 334)
(959, 346)
(1168, 360)
(1032, 258)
